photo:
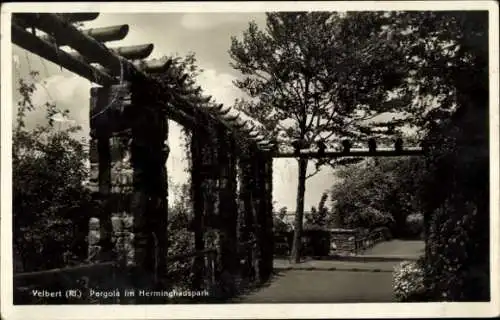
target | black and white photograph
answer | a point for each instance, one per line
(230, 158)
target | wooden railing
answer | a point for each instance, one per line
(359, 243)
(369, 240)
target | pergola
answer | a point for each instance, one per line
(129, 116)
(231, 153)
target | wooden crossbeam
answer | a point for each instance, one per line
(104, 34)
(248, 129)
(253, 134)
(190, 91)
(307, 153)
(224, 112)
(181, 117)
(128, 52)
(149, 67)
(79, 16)
(87, 46)
(232, 119)
(113, 63)
(264, 143)
(50, 52)
(259, 138)
(240, 125)
(156, 66)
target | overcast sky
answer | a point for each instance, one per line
(205, 34)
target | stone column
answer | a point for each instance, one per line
(105, 106)
(246, 214)
(149, 206)
(259, 184)
(267, 219)
(197, 196)
(228, 210)
(205, 199)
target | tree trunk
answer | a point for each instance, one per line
(299, 212)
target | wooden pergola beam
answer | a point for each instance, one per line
(352, 153)
(259, 138)
(128, 52)
(232, 119)
(248, 129)
(253, 134)
(79, 16)
(222, 113)
(87, 46)
(50, 52)
(90, 50)
(190, 91)
(240, 125)
(153, 66)
(135, 52)
(104, 34)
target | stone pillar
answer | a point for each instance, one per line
(149, 206)
(121, 189)
(255, 200)
(198, 204)
(204, 173)
(128, 156)
(246, 215)
(267, 212)
(228, 210)
(260, 210)
(106, 107)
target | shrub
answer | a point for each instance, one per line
(415, 224)
(457, 256)
(408, 282)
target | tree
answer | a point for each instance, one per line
(282, 213)
(319, 217)
(311, 77)
(51, 206)
(379, 194)
(450, 63)
(446, 56)
(280, 224)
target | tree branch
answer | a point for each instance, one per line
(314, 173)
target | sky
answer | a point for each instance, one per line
(208, 35)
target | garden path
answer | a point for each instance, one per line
(366, 278)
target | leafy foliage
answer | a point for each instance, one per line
(313, 69)
(415, 224)
(180, 239)
(319, 217)
(50, 202)
(456, 188)
(279, 223)
(409, 281)
(378, 193)
(445, 57)
(457, 213)
(310, 79)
